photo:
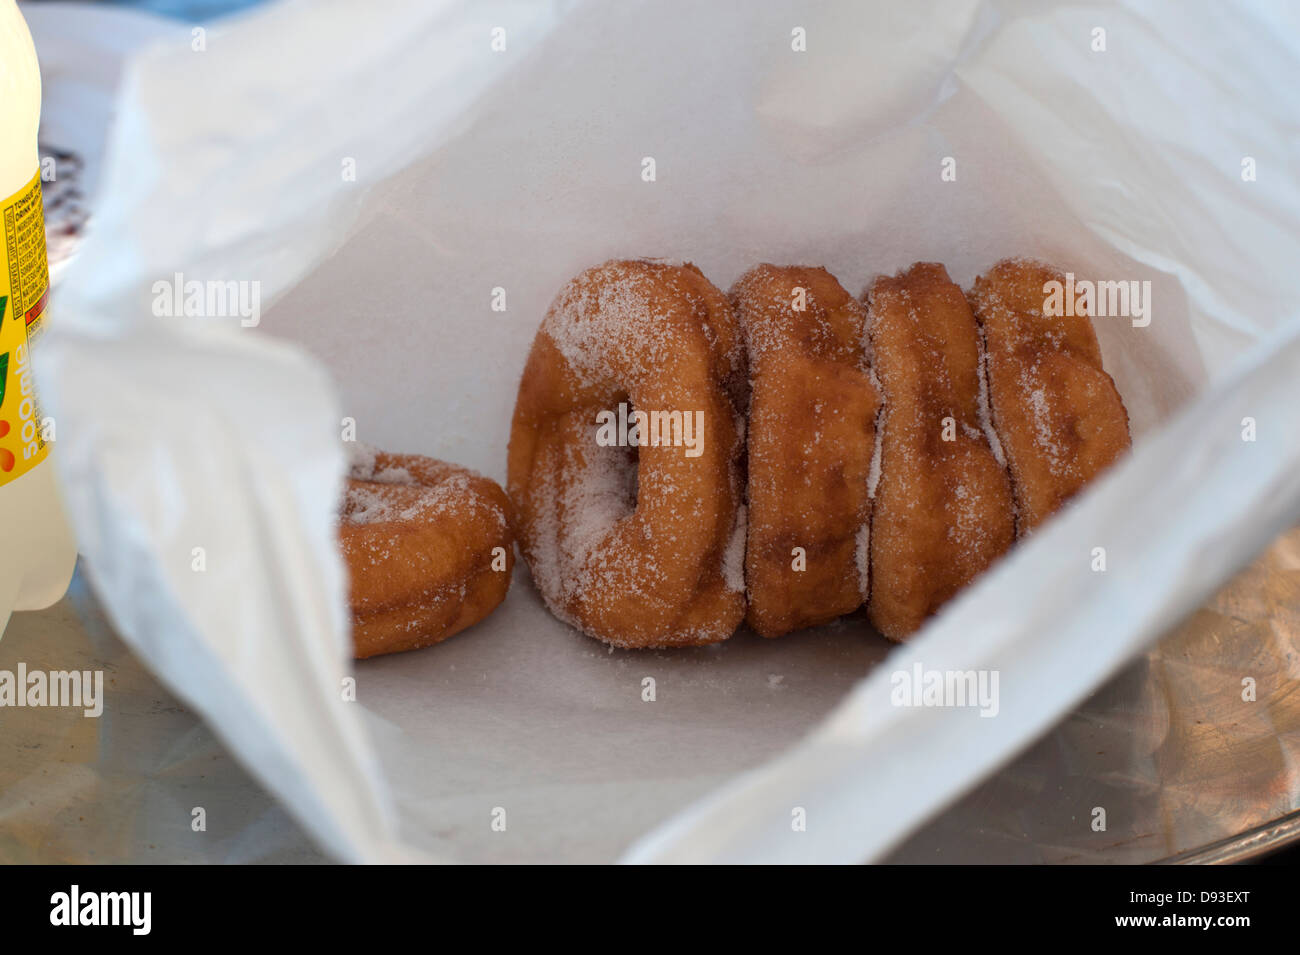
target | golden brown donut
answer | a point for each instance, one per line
(639, 546)
(812, 414)
(428, 550)
(943, 507)
(1056, 411)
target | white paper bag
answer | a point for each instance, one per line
(501, 146)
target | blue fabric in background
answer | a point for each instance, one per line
(188, 10)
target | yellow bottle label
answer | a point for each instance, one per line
(24, 290)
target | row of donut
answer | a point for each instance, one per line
(840, 452)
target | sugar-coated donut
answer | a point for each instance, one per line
(812, 414)
(624, 457)
(1057, 413)
(943, 508)
(894, 449)
(428, 549)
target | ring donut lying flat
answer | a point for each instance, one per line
(624, 457)
(428, 550)
(812, 416)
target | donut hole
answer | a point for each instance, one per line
(631, 464)
(616, 467)
(603, 492)
(616, 460)
(628, 468)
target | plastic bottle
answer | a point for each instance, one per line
(37, 551)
